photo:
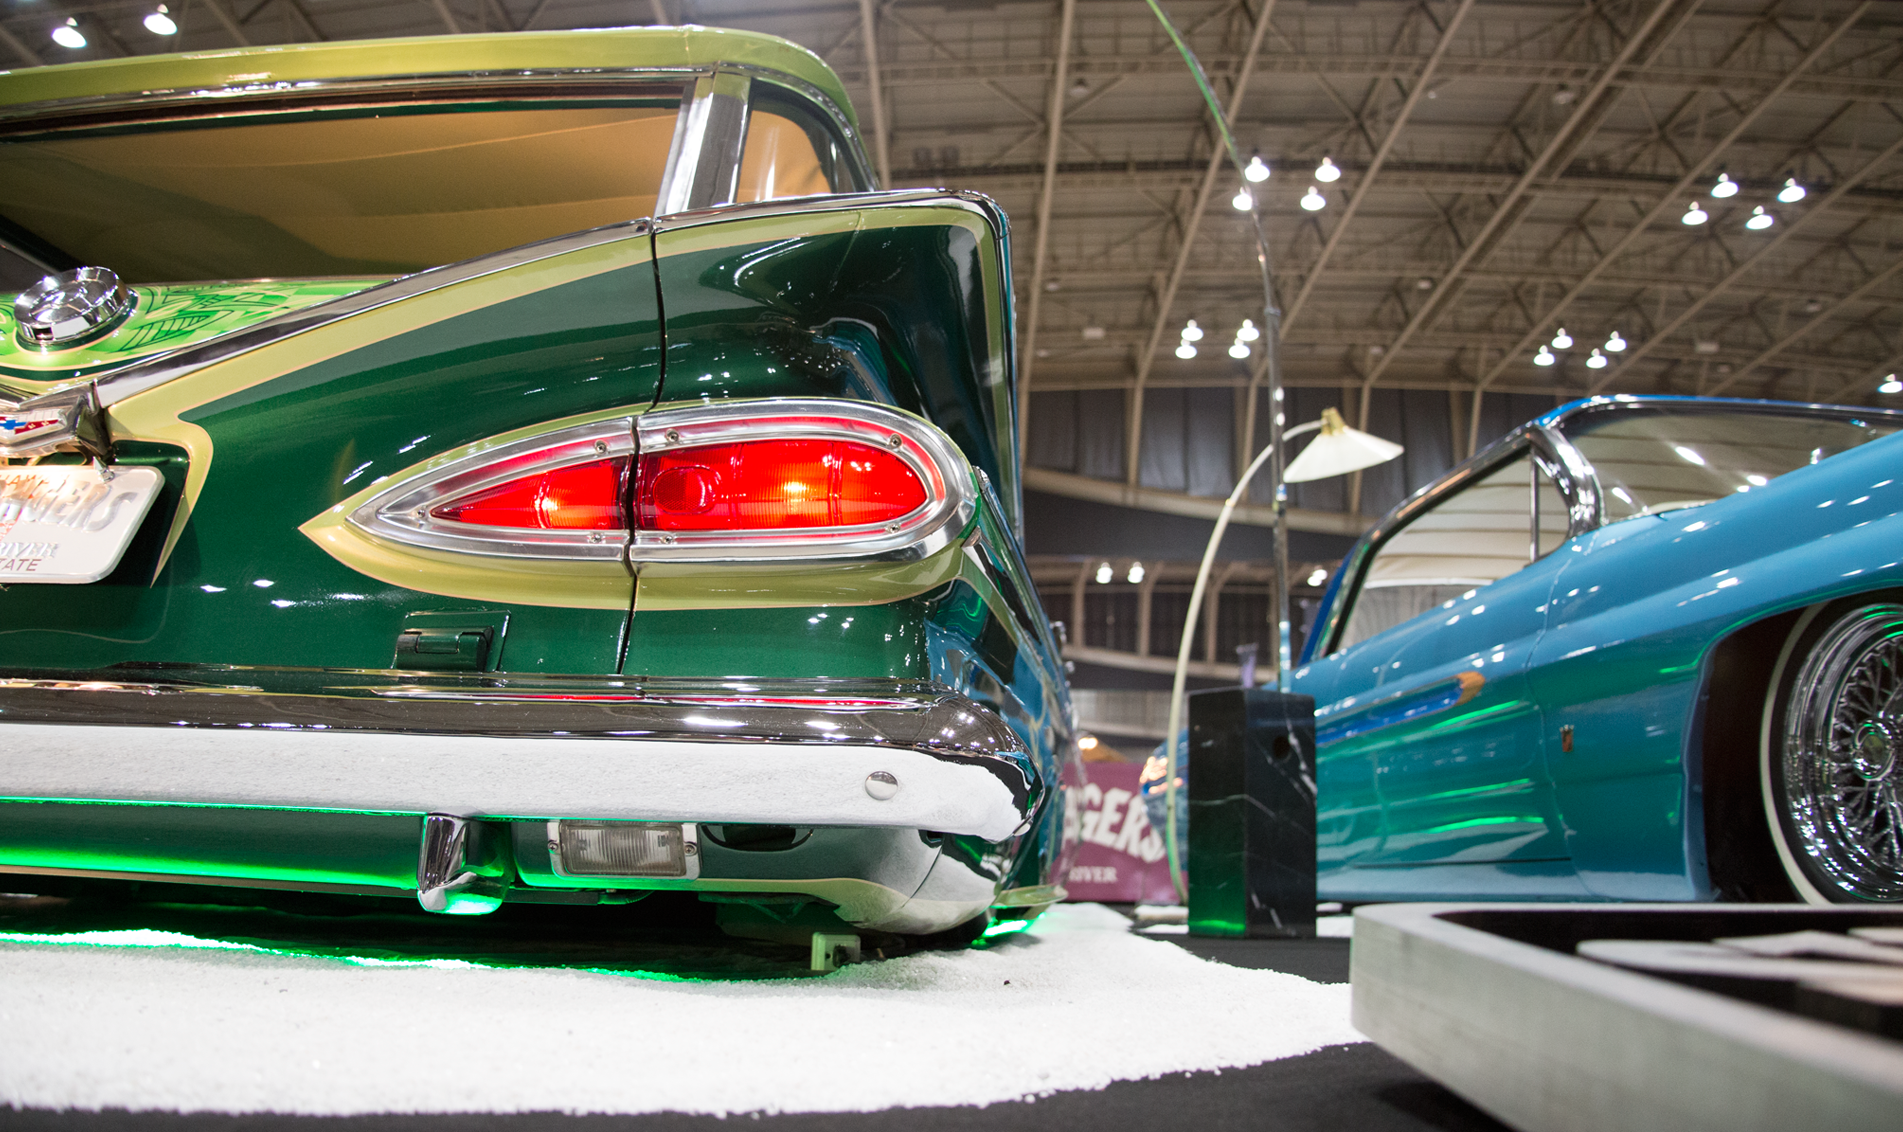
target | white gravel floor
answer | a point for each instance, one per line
(1076, 1003)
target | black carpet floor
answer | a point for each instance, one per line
(1355, 1088)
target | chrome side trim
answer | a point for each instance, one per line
(948, 509)
(401, 512)
(855, 148)
(230, 101)
(976, 203)
(705, 158)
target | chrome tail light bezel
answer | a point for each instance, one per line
(949, 497)
(401, 512)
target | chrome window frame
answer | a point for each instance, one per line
(1571, 477)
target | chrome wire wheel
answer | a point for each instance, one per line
(1838, 781)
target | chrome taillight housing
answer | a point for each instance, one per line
(780, 480)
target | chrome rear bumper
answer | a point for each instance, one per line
(805, 753)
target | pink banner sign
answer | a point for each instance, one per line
(1119, 855)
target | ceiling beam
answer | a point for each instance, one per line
(1592, 108)
(1054, 122)
(1888, 366)
(869, 41)
(18, 46)
(1133, 411)
(1786, 231)
(1816, 321)
(227, 21)
(1375, 162)
(449, 20)
(1513, 71)
(1692, 175)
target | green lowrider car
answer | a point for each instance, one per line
(513, 468)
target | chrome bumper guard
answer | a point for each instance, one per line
(879, 753)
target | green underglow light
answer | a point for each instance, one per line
(1004, 928)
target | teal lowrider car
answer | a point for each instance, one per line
(513, 468)
(1641, 648)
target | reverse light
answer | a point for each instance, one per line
(623, 849)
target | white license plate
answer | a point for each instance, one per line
(70, 523)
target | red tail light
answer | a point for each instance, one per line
(774, 485)
(581, 497)
(763, 480)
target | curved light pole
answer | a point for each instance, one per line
(1331, 424)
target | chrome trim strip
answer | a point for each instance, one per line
(401, 512)
(950, 500)
(230, 100)
(975, 203)
(855, 148)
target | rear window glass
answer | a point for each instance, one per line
(362, 192)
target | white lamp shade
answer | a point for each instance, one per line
(1338, 451)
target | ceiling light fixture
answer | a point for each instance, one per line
(69, 36)
(1136, 573)
(1694, 215)
(1192, 332)
(1257, 171)
(1239, 349)
(1318, 576)
(1562, 340)
(1327, 171)
(161, 22)
(1615, 343)
(1545, 357)
(1242, 201)
(1792, 192)
(1760, 219)
(1185, 351)
(1103, 574)
(1891, 385)
(1597, 361)
(1724, 187)
(1247, 331)
(1313, 200)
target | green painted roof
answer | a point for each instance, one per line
(421, 55)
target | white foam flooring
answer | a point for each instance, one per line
(1078, 1002)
